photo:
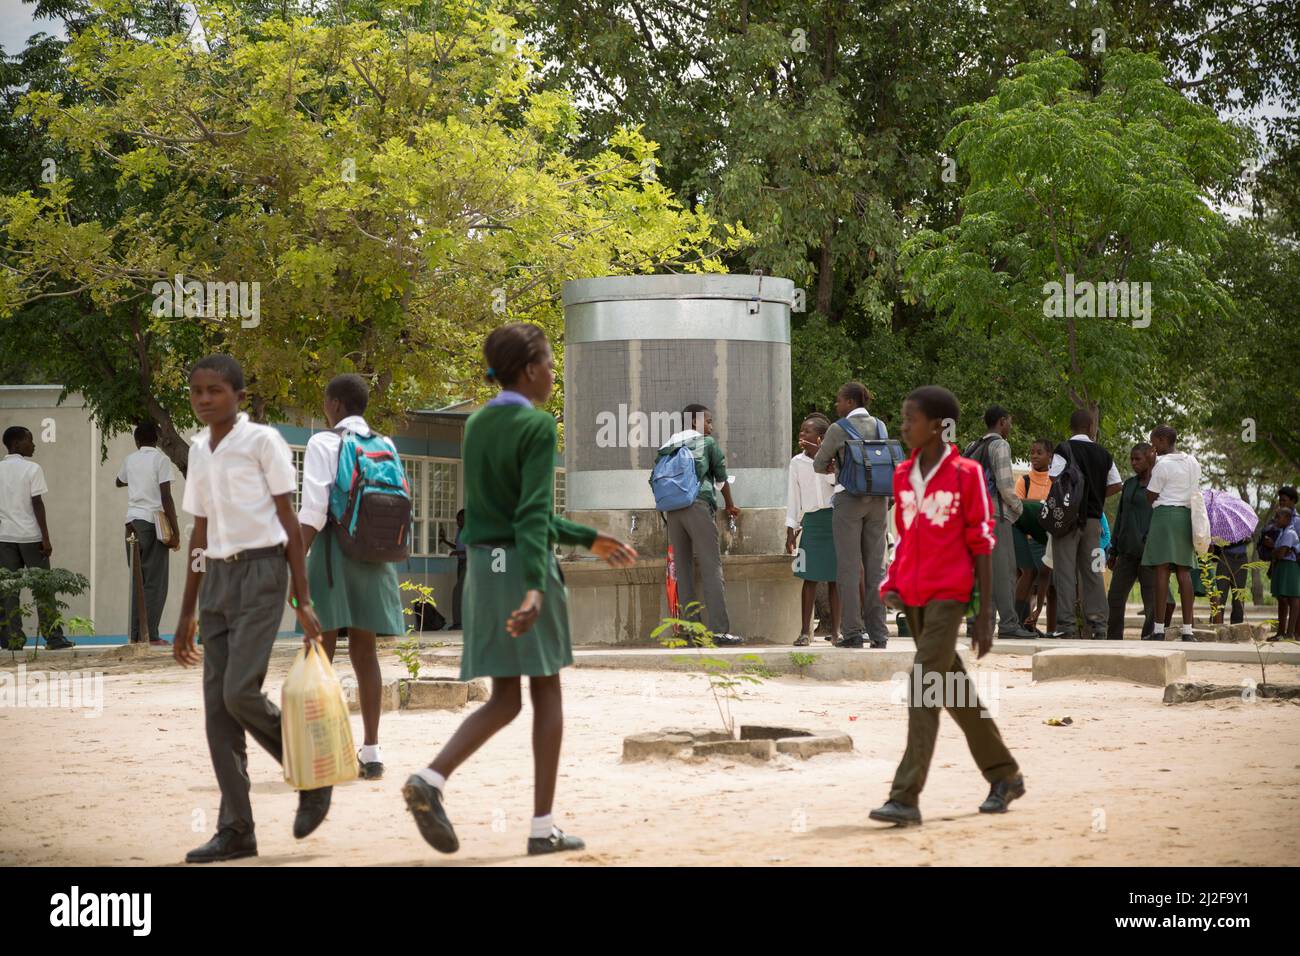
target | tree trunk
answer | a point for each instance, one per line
(173, 445)
(825, 274)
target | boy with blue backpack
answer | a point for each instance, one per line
(863, 457)
(684, 473)
(356, 510)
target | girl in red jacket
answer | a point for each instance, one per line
(945, 525)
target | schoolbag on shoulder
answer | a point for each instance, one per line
(978, 451)
(370, 500)
(866, 467)
(674, 481)
(1064, 499)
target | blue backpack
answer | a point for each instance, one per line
(674, 481)
(978, 451)
(866, 467)
(370, 500)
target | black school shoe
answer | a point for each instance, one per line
(855, 641)
(312, 807)
(370, 771)
(425, 803)
(226, 844)
(899, 814)
(557, 842)
(58, 644)
(1002, 793)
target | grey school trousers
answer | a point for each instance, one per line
(858, 523)
(239, 613)
(1004, 577)
(14, 556)
(694, 536)
(1074, 557)
(153, 571)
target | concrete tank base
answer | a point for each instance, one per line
(616, 606)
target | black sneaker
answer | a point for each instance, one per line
(1002, 793)
(424, 800)
(557, 842)
(1017, 634)
(727, 640)
(855, 641)
(312, 807)
(899, 814)
(58, 644)
(226, 844)
(879, 645)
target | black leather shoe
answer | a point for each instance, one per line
(899, 814)
(1017, 634)
(1060, 635)
(425, 803)
(312, 807)
(879, 645)
(727, 640)
(58, 644)
(850, 641)
(370, 771)
(557, 842)
(226, 844)
(1002, 793)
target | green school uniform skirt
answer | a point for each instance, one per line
(1284, 582)
(494, 588)
(1029, 537)
(1170, 539)
(365, 595)
(818, 545)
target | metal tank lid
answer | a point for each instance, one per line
(746, 288)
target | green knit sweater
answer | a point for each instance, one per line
(509, 462)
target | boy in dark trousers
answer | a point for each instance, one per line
(945, 523)
(240, 491)
(147, 477)
(1132, 522)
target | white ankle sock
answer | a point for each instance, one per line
(371, 754)
(433, 778)
(1160, 628)
(1187, 628)
(542, 827)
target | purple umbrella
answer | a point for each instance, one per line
(1231, 519)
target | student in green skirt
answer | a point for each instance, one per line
(510, 533)
(1174, 479)
(361, 596)
(1284, 576)
(808, 506)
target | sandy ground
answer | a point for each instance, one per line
(1131, 782)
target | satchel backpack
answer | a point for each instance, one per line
(370, 500)
(1064, 500)
(866, 467)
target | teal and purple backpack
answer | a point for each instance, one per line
(370, 500)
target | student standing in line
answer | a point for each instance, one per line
(1175, 477)
(1035, 577)
(858, 523)
(1132, 524)
(1076, 568)
(511, 530)
(25, 535)
(147, 477)
(945, 522)
(362, 596)
(808, 506)
(245, 546)
(693, 531)
(1284, 575)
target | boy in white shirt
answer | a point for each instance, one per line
(1174, 479)
(240, 491)
(25, 536)
(147, 475)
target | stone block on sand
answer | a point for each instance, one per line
(1155, 666)
(390, 695)
(435, 694)
(650, 745)
(811, 746)
(755, 749)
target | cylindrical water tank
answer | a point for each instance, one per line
(638, 349)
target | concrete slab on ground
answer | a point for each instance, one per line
(1151, 665)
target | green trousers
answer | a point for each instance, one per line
(937, 666)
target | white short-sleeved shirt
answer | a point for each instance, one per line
(318, 470)
(1058, 465)
(806, 491)
(21, 479)
(144, 471)
(233, 486)
(1175, 477)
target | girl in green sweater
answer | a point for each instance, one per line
(510, 533)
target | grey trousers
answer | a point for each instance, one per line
(858, 523)
(1004, 577)
(694, 536)
(1073, 558)
(239, 613)
(14, 556)
(1129, 568)
(153, 569)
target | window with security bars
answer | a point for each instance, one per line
(435, 491)
(298, 455)
(561, 491)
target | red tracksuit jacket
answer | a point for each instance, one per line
(939, 535)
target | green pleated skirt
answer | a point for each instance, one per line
(365, 596)
(1170, 539)
(818, 546)
(494, 589)
(1285, 579)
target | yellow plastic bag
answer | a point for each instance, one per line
(314, 724)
